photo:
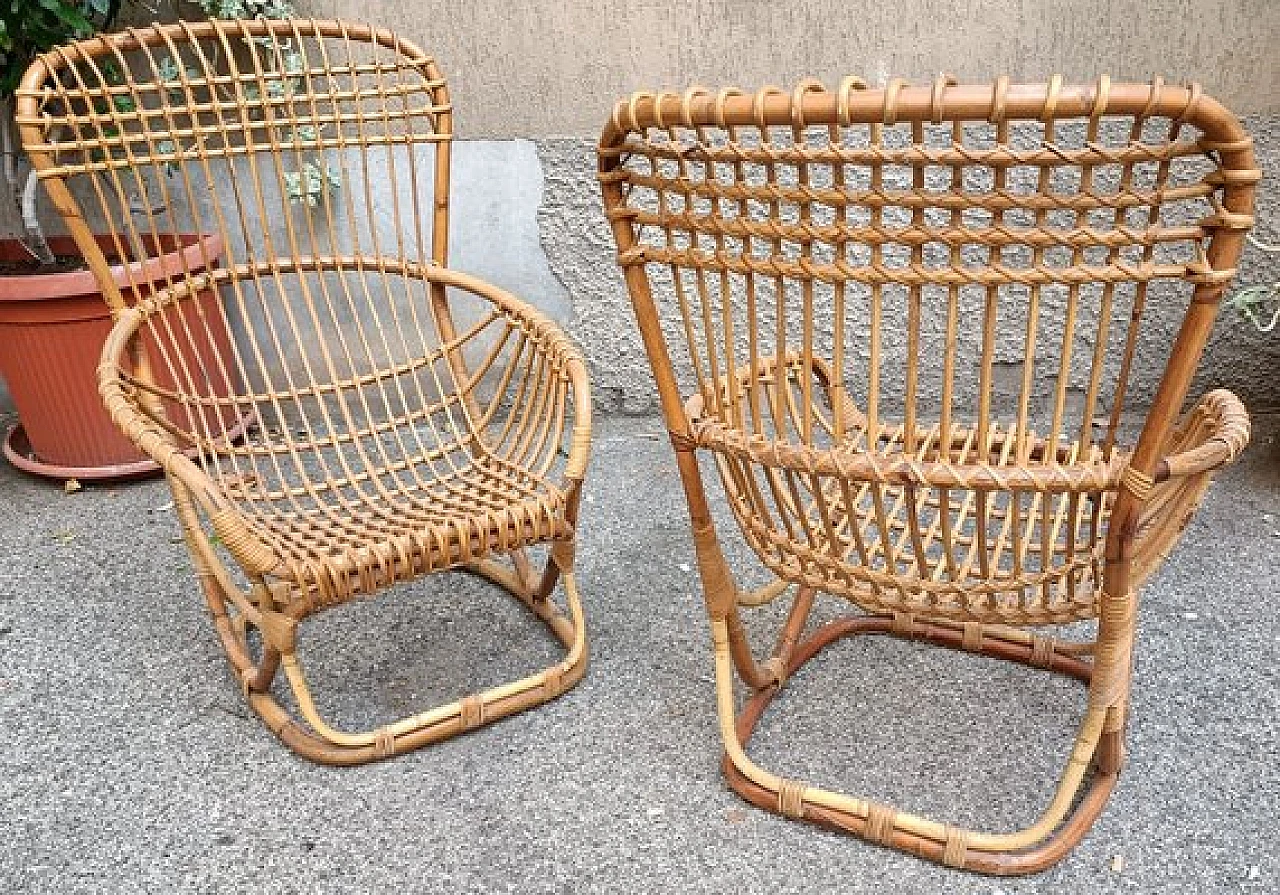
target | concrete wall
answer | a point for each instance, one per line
(538, 68)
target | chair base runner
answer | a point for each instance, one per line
(311, 738)
(952, 852)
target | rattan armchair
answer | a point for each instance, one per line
(905, 325)
(346, 412)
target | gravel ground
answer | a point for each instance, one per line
(128, 762)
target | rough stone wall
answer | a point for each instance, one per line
(534, 68)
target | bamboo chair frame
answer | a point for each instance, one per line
(403, 418)
(775, 244)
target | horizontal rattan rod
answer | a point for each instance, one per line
(523, 317)
(254, 448)
(264, 449)
(338, 385)
(288, 103)
(336, 485)
(286, 106)
(999, 156)
(431, 555)
(996, 584)
(913, 273)
(951, 198)
(200, 153)
(949, 234)
(251, 78)
(965, 101)
(887, 438)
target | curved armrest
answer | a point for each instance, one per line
(536, 371)
(534, 424)
(1210, 437)
(139, 428)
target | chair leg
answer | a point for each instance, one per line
(313, 738)
(1063, 824)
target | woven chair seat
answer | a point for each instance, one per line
(895, 529)
(357, 543)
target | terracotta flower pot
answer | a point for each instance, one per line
(52, 327)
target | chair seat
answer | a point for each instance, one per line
(350, 538)
(1002, 526)
(996, 556)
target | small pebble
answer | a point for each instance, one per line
(684, 567)
(1117, 863)
(1255, 872)
(71, 486)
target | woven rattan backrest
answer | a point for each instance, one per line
(976, 258)
(146, 125)
(316, 156)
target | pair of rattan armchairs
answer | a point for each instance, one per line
(904, 323)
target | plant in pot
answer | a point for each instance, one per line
(53, 316)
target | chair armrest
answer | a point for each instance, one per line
(142, 430)
(1209, 437)
(563, 360)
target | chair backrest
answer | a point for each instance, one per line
(956, 259)
(316, 139)
(304, 165)
(898, 317)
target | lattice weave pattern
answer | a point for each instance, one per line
(906, 321)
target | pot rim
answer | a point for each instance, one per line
(195, 249)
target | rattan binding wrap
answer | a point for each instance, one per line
(403, 418)
(905, 325)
